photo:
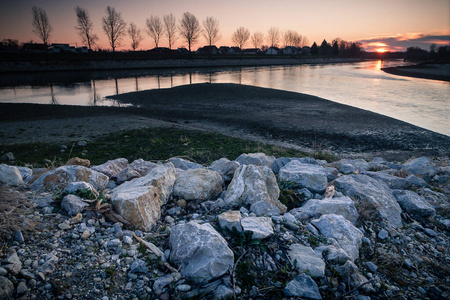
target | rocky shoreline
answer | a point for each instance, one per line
(257, 227)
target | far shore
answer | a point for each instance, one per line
(426, 71)
(103, 65)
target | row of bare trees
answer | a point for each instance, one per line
(188, 29)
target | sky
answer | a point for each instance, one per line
(391, 25)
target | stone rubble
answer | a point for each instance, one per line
(179, 230)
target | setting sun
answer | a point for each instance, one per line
(381, 50)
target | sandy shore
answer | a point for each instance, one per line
(290, 119)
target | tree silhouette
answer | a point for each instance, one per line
(335, 50)
(135, 35)
(324, 47)
(189, 29)
(155, 29)
(114, 27)
(273, 36)
(84, 27)
(41, 24)
(211, 32)
(170, 26)
(257, 39)
(240, 36)
(314, 49)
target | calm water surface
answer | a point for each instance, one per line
(422, 102)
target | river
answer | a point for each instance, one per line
(422, 102)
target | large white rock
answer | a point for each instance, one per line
(251, 184)
(258, 159)
(373, 198)
(10, 175)
(306, 260)
(200, 251)
(198, 184)
(261, 227)
(139, 201)
(343, 206)
(225, 168)
(183, 164)
(312, 177)
(414, 204)
(111, 168)
(58, 179)
(337, 227)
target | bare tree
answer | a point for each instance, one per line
(170, 28)
(293, 38)
(135, 35)
(114, 27)
(211, 32)
(155, 29)
(273, 36)
(240, 36)
(41, 24)
(189, 29)
(84, 27)
(257, 39)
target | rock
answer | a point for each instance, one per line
(26, 173)
(258, 159)
(3, 271)
(371, 266)
(302, 286)
(111, 168)
(332, 254)
(312, 177)
(198, 184)
(183, 287)
(229, 220)
(13, 264)
(282, 161)
(162, 282)
(10, 175)
(373, 198)
(138, 266)
(413, 204)
(383, 234)
(337, 227)
(127, 174)
(314, 208)
(49, 264)
(9, 156)
(6, 288)
(414, 181)
(304, 259)
(223, 292)
(348, 166)
(81, 186)
(141, 166)
(18, 236)
(21, 288)
(225, 168)
(59, 178)
(139, 201)
(76, 161)
(350, 272)
(264, 209)
(183, 164)
(251, 184)
(261, 227)
(82, 143)
(200, 251)
(392, 182)
(73, 204)
(420, 166)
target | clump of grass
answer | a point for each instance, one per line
(151, 144)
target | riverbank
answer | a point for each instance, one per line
(103, 65)
(426, 71)
(288, 119)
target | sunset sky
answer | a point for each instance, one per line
(378, 24)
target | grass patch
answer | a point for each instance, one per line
(152, 144)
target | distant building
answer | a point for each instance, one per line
(161, 50)
(58, 48)
(290, 50)
(82, 49)
(306, 50)
(251, 51)
(34, 48)
(272, 51)
(208, 50)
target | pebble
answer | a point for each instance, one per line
(383, 234)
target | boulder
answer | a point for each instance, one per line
(139, 201)
(261, 227)
(111, 168)
(81, 186)
(251, 184)
(304, 259)
(333, 254)
(264, 209)
(351, 275)
(76, 161)
(258, 159)
(10, 175)
(200, 252)
(183, 164)
(26, 173)
(348, 166)
(13, 263)
(373, 198)
(225, 168)
(59, 178)
(312, 177)
(420, 166)
(127, 174)
(198, 184)
(414, 204)
(282, 161)
(73, 204)
(343, 231)
(142, 166)
(303, 287)
(314, 208)
(6, 288)
(230, 219)
(393, 182)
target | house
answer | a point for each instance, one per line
(161, 50)
(251, 51)
(83, 49)
(58, 48)
(208, 50)
(34, 48)
(290, 50)
(306, 50)
(273, 51)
